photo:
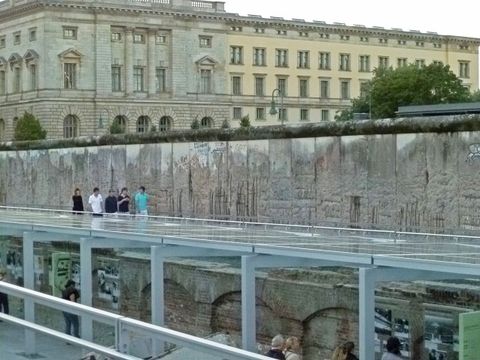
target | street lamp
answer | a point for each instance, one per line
(273, 108)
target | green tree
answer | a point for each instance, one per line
(116, 128)
(195, 125)
(28, 128)
(408, 85)
(245, 121)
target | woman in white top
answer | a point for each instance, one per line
(292, 348)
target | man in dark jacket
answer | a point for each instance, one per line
(71, 320)
(276, 351)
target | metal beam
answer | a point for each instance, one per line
(249, 328)
(278, 261)
(366, 306)
(28, 282)
(86, 286)
(157, 261)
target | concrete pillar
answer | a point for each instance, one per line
(129, 61)
(157, 262)
(151, 65)
(28, 283)
(86, 286)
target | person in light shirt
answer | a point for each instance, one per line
(96, 202)
(141, 201)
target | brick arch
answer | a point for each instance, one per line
(226, 316)
(181, 309)
(336, 325)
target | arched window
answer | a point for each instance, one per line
(143, 124)
(121, 122)
(165, 123)
(70, 126)
(206, 123)
(2, 130)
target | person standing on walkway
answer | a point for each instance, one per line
(77, 201)
(276, 351)
(111, 205)
(96, 202)
(141, 201)
(344, 352)
(123, 201)
(393, 349)
(292, 348)
(3, 297)
(71, 320)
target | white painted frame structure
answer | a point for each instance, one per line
(379, 255)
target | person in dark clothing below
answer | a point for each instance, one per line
(276, 351)
(111, 203)
(344, 352)
(3, 297)
(71, 320)
(123, 201)
(77, 201)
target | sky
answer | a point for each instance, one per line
(460, 18)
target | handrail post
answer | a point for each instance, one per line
(28, 282)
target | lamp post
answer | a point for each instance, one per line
(273, 108)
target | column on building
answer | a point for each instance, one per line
(129, 61)
(151, 65)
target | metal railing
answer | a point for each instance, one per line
(122, 325)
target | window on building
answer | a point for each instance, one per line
(324, 36)
(304, 115)
(69, 32)
(324, 61)
(2, 82)
(364, 89)
(116, 78)
(363, 39)
(303, 34)
(437, 62)
(259, 86)
(464, 69)
(121, 122)
(344, 37)
(206, 122)
(420, 43)
(205, 41)
(344, 62)
(70, 126)
(402, 42)
(303, 61)
(17, 38)
(116, 36)
(437, 45)
(165, 123)
(205, 81)
(260, 113)
(32, 34)
(138, 78)
(383, 62)
(160, 39)
(139, 38)
(345, 89)
(383, 40)
(160, 80)
(259, 56)
(237, 113)
(236, 55)
(3, 41)
(325, 115)
(260, 30)
(282, 114)
(143, 124)
(303, 88)
(463, 47)
(281, 57)
(419, 63)
(32, 69)
(70, 76)
(2, 129)
(236, 28)
(401, 62)
(236, 85)
(324, 89)
(17, 79)
(282, 85)
(282, 32)
(364, 63)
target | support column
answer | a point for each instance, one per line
(151, 66)
(157, 261)
(366, 307)
(129, 61)
(28, 282)
(249, 328)
(86, 286)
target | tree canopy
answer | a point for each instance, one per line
(29, 128)
(408, 85)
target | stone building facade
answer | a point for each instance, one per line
(80, 66)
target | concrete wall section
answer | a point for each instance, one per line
(403, 181)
